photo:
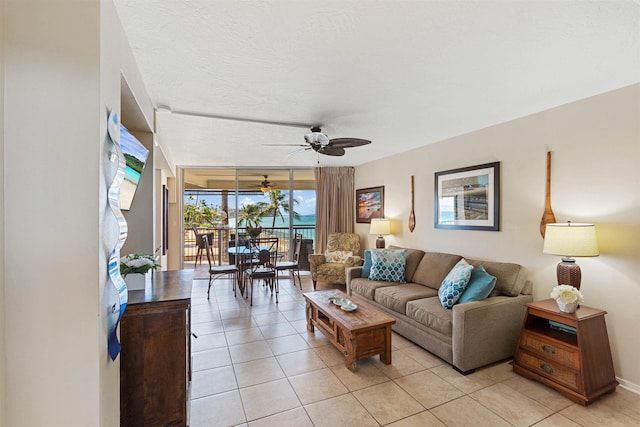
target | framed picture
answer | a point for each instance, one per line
(369, 204)
(468, 198)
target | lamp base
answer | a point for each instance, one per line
(380, 243)
(568, 273)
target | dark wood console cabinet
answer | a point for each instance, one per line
(155, 362)
(569, 352)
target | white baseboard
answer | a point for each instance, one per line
(629, 385)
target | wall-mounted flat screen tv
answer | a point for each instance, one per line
(135, 155)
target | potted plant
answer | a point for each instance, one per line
(567, 297)
(136, 266)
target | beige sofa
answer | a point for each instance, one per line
(469, 335)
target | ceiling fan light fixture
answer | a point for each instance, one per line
(317, 138)
(265, 189)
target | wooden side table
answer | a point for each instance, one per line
(155, 363)
(568, 352)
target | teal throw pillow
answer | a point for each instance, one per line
(388, 265)
(366, 267)
(454, 284)
(480, 286)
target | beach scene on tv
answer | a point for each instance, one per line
(135, 155)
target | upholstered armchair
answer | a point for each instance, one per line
(342, 252)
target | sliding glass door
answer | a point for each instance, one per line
(229, 205)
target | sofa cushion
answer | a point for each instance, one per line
(388, 265)
(455, 283)
(510, 278)
(338, 256)
(429, 312)
(480, 286)
(433, 268)
(367, 288)
(366, 267)
(413, 259)
(396, 297)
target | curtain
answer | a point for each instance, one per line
(335, 203)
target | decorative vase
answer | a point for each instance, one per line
(137, 281)
(567, 307)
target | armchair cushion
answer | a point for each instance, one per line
(338, 256)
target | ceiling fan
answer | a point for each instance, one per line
(319, 142)
(265, 186)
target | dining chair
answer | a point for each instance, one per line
(265, 252)
(200, 243)
(292, 265)
(216, 271)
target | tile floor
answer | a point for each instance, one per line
(258, 366)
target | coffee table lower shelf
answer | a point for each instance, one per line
(359, 334)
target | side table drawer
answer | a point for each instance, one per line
(549, 369)
(551, 351)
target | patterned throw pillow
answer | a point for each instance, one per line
(480, 286)
(388, 265)
(454, 284)
(338, 256)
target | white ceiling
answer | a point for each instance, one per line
(400, 73)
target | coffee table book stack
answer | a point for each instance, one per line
(360, 333)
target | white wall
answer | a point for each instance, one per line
(595, 176)
(53, 147)
(2, 314)
(63, 64)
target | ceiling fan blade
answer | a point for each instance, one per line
(285, 145)
(331, 151)
(348, 142)
(299, 150)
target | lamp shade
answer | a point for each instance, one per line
(380, 227)
(571, 240)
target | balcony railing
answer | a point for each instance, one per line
(220, 237)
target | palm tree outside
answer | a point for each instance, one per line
(276, 205)
(251, 214)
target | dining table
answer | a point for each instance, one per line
(243, 255)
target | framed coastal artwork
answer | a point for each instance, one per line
(369, 204)
(468, 198)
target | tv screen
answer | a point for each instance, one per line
(135, 155)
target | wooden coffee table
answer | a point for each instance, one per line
(358, 334)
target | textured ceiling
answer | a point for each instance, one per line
(400, 73)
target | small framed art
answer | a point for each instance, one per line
(369, 204)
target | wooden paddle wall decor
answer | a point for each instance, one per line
(547, 217)
(412, 215)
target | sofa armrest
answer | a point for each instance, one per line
(352, 273)
(486, 331)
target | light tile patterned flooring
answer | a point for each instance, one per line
(258, 366)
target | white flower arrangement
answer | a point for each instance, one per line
(567, 294)
(137, 264)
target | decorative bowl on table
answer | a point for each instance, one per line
(349, 306)
(339, 301)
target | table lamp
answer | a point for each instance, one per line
(380, 227)
(570, 240)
